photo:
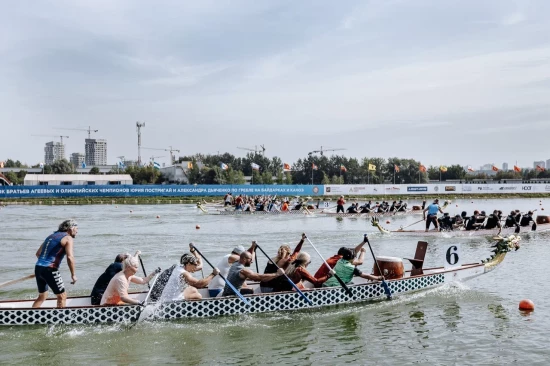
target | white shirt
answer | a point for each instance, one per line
(223, 266)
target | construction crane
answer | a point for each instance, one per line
(139, 125)
(255, 149)
(89, 130)
(171, 149)
(61, 137)
(321, 150)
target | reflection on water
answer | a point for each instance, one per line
(472, 323)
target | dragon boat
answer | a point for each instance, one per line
(78, 310)
(542, 223)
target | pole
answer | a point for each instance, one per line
(311, 173)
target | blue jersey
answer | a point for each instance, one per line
(52, 252)
(433, 208)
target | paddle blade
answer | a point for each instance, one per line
(387, 289)
(517, 230)
(534, 227)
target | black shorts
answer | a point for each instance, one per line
(49, 277)
(430, 219)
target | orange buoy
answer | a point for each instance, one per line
(542, 208)
(158, 217)
(197, 227)
(526, 305)
(387, 221)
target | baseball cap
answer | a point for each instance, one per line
(238, 249)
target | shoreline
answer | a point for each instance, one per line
(209, 199)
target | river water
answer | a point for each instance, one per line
(476, 322)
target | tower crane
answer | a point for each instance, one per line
(60, 136)
(171, 149)
(89, 130)
(321, 150)
(255, 149)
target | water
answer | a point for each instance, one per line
(475, 322)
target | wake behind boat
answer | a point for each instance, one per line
(79, 310)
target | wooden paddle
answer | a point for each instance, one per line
(13, 282)
(223, 278)
(384, 284)
(344, 286)
(288, 278)
(401, 228)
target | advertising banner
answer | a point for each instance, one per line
(156, 190)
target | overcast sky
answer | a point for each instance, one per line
(444, 82)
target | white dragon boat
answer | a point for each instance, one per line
(78, 310)
(541, 224)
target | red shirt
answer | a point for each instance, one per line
(302, 274)
(323, 270)
(340, 201)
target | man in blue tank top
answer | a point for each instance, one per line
(432, 214)
(50, 254)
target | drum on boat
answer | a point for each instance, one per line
(391, 267)
(543, 220)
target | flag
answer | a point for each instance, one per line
(539, 168)
(224, 166)
(343, 168)
(189, 165)
(422, 168)
(41, 165)
(121, 165)
(255, 166)
(495, 168)
(1, 164)
(396, 168)
(83, 165)
(372, 167)
(314, 167)
(156, 165)
(517, 168)
(470, 169)
(443, 168)
(286, 167)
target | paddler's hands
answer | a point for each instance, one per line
(157, 271)
(74, 279)
(280, 271)
(332, 273)
(215, 272)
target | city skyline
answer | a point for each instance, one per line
(443, 83)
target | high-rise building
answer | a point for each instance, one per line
(77, 159)
(53, 151)
(96, 152)
(505, 166)
(548, 163)
(539, 163)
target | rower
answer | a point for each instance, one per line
(103, 280)
(493, 221)
(472, 222)
(526, 219)
(446, 222)
(366, 207)
(353, 208)
(511, 220)
(432, 214)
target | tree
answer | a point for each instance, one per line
(62, 167)
(94, 170)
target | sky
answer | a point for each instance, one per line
(443, 82)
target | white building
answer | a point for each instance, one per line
(177, 173)
(96, 152)
(53, 151)
(77, 159)
(77, 179)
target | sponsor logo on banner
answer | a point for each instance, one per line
(507, 188)
(485, 188)
(450, 188)
(526, 188)
(327, 189)
(466, 188)
(393, 189)
(417, 189)
(547, 188)
(436, 188)
(357, 189)
(315, 190)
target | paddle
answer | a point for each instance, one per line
(344, 286)
(13, 282)
(401, 228)
(288, 278)
(384, 284)
(143, 304)
(143, 268)
(223, 278)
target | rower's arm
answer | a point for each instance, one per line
(129, 300)
(195, 282)
(39, 251)
(359, 246)
(359, 261)
(246, 273)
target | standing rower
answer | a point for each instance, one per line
(50, 254)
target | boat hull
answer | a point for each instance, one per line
(259, 303)
(468, 233)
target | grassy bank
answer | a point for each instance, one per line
(187, 200)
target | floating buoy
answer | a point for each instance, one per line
(158, 217)
(197, 227)
(456, 205)
(116, 206)
(387, 221)
(526, 305)
(472, 201)
(131, 211)
(542, 208)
